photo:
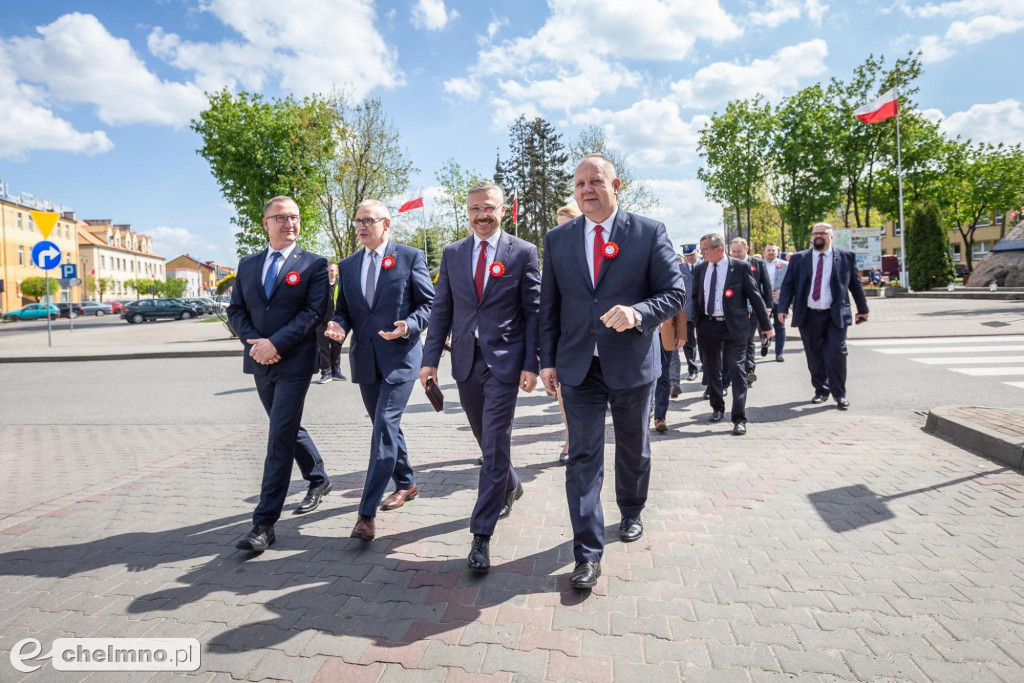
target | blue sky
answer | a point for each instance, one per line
(97, 96)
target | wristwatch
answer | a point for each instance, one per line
(639, 320)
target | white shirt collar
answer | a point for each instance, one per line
(827, 252)
(285, 253)
(381, 249)
(492, 241)
(607, 224)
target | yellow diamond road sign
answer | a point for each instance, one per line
(45, 220)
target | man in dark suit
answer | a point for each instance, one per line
(383, 304)
(818, 284)
(488, 299)
(278, 299)
(724, 288)
(609, 280)
(690, 348)
(328, 350)
(740, 250)
(777, 267)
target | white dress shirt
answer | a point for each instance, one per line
(381, 251)
(723, 272)
(492, 250)
(588, 238)
(285, 253)
(825, 301)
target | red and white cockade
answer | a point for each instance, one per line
(388, 263)
(610, 250)
(497, 269)
(292, 278)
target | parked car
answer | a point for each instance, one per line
(204, 306)
(152, 309)
(116, 306)
(68, 310)
(96, 308)
(32, 312)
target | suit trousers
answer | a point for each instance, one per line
(283, 399)
(690, 348)
(585, 408)
(825, 348)
(674, 368)
(328, 351)
(490, 406)
(780, 332)
(663, 386)
(720, 351)
(749, 363)
(389, 457)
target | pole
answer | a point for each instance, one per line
(904, 275)
(49, 314)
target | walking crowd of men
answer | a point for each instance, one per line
(600, 326)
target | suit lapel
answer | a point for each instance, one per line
(287, 265)
(385, 275)
(577, 241)
(257, 264)
(619, 230)
(502, 255)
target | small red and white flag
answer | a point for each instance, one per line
(885, 107)
(411, 204)
(515, 206)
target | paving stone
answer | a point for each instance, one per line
(690, 653)
(468, 658)
(812, 662)
(500, 659)
(339, 670)
(280, 666)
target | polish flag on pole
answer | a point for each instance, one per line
(885, 107)
(515, 206)
(412, 204)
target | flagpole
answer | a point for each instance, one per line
(904, 275)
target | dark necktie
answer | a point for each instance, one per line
(598, 251)
(371, 278)
(272, 271)
(481, 270)
(816, 292)
(711, 292)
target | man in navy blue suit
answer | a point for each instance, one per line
(818, 285)
(609, 280)
(488, 299)
(279, 297)
(383, 304)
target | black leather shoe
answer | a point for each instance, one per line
(819, 398)
(312, 500)
(630, 529)
(479, 559)
(585, 575)
(843, 404)
(510, 498)
(692, 376)
(739, 428)
(480, 460)
(563, 458)
(675, 392)
(707, 394)
(717, 416)
(751, 378)
(259, 539)
(764, 348)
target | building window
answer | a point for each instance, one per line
(103, 261)
(896, 230)
(1000, 218)
(957, 255)
(21, 256)
(980, 249)
(20, 225)
(983, 221)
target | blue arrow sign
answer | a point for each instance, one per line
(69, 270)
(46, 255)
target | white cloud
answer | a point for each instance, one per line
(306, 46)
(778, 12)
(649, 132)
(994, 123)
(773, 77)
(431, 15)
(684, 209)
(935, 49)
(168, 241)
(495, 25)
(976, 21)
(79, 61)
(466, 88)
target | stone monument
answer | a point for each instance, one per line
(1004, 265)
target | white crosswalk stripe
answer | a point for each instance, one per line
(987, 356)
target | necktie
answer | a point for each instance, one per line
(711, 292)
(816, 292)
(371, 278)
(481, 269)
(598, 251)
(272, 271)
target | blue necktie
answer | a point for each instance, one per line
(272, 271)
(714, 282)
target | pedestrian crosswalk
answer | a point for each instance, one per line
(983, 356)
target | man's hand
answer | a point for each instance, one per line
(775, 294)
(335, 331)
(401, 330)
(782, 318)
(428, 372)
(861, 318)
(550, 378)
(263, 351)
(767, 334)
(680, 343)
(527, 381)
(620, 318)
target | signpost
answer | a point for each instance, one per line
(46, 255)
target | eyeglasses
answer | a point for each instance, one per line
(483, 209)
(707, 249)
(366, 222)
(283, 218)
(820, 234)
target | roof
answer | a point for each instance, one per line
(88, 238)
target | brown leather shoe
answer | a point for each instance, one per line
(660, 426)
(398, 498)
(364, 528)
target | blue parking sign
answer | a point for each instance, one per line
(68, 271)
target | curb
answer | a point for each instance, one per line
(142, 355)
(989, 443)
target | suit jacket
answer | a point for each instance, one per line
(506, 317)
(745, 289)
(764, 279)
(684, 270)
(777, 269)
(796, 286)
(645, 275)
(288, 318)
(403, 292)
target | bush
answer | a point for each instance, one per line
(928, 256)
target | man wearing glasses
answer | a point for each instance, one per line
(383, 303)
(279, 297)
(818, 284)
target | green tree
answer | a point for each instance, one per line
(35, 287)
(538, 168)
(922, 143)
(141, 286)
(635, 194)
(258, 149)
(734, 147)
(99, 285)
(172, 287)
(456, 181)
(929, 258)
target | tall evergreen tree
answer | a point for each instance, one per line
(929, 259)
(538, 169)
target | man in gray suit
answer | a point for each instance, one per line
(777, 269)
(488, 299)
